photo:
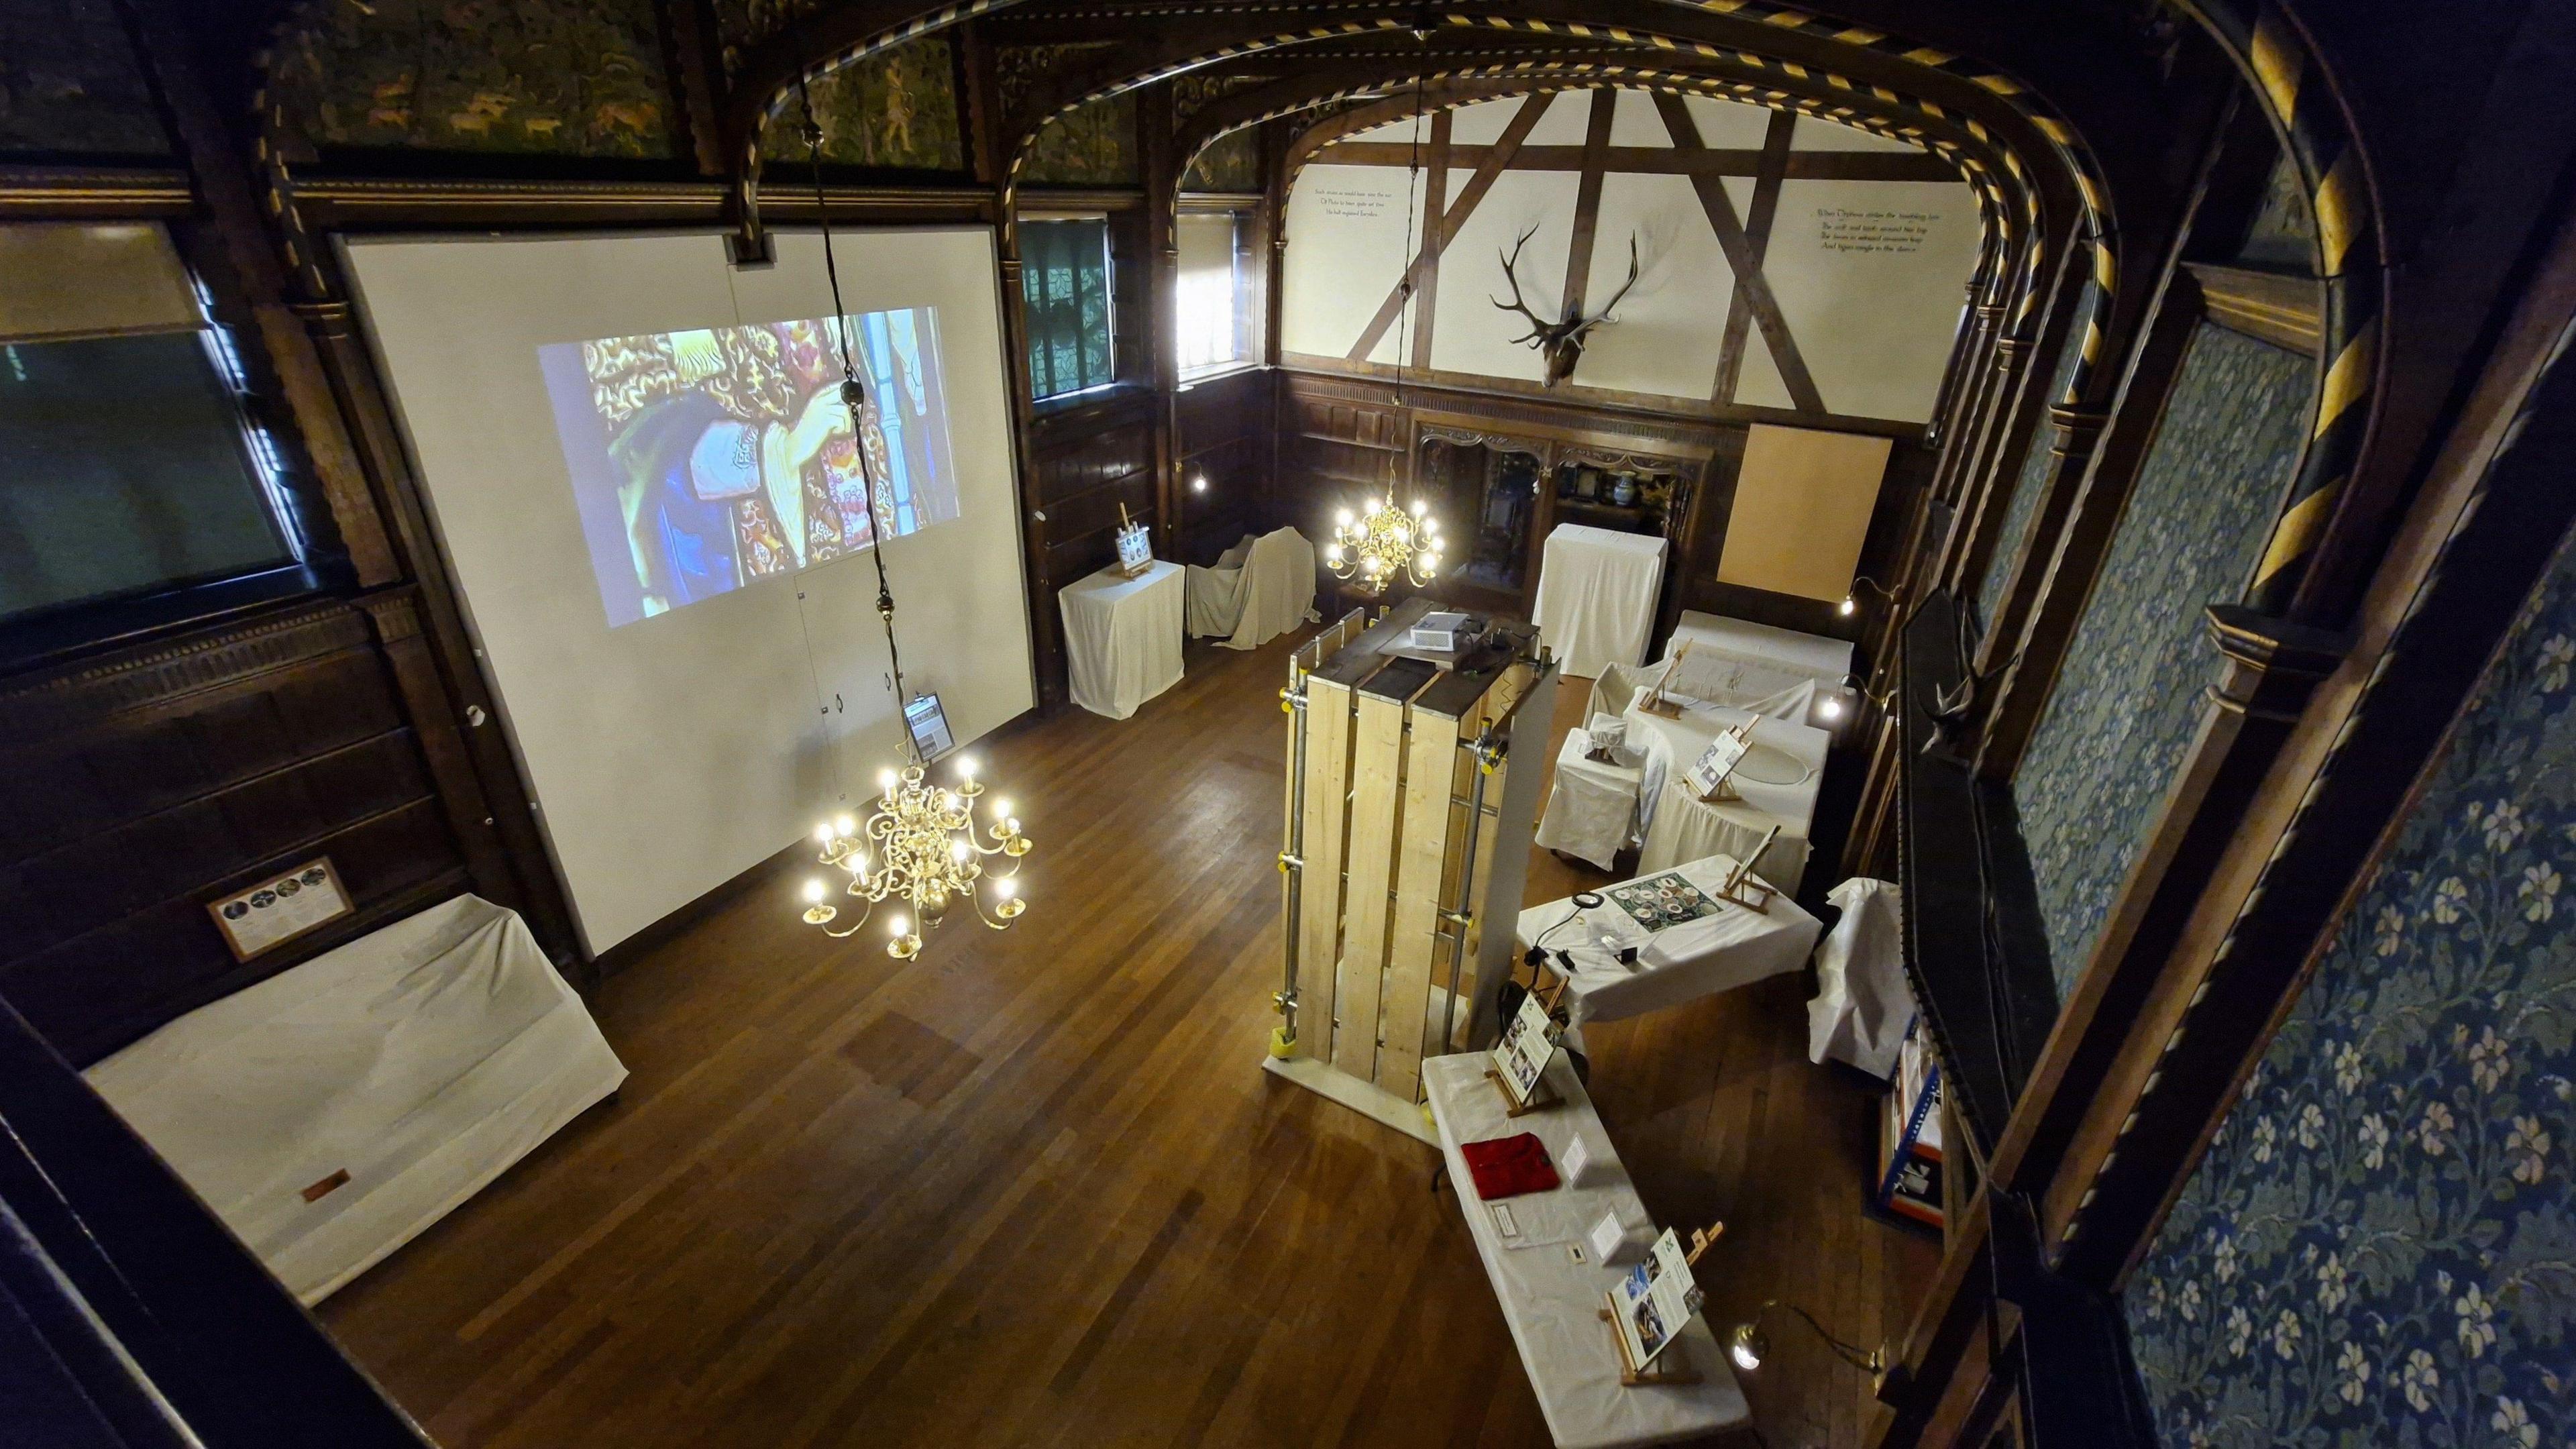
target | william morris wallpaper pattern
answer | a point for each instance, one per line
(2035, 465)
(2380, 1247)
(2128, 700)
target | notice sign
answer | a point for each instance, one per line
(280, 909)
(1888, 233)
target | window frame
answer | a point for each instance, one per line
(1250, 299)
(1041, 319)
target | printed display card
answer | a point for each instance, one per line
(1655, 1301)
(1528, 1044)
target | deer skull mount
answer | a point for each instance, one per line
(1559, 343)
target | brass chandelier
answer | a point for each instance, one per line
(1383, 541)
(919, 845)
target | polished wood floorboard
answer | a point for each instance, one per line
(1034, 1188)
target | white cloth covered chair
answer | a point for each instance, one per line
(1260, 589)
(1591, 804)
(1862, 1004)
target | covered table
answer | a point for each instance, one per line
(1727, 947)
(1122, 637)
(1592, 806)
(1551, 1303)
(333, 1111)
(1778, 780)
(1734, 661)
(1596, 596)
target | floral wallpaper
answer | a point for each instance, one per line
(1231, 162)
(896, 108)
(1091, 145)
(2128, 699)
(549, 77)
(2034, 470)
(70, 84)
(2380, 1246)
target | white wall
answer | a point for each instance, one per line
(672, 754)
(1869, 274)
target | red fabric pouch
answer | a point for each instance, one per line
(1509, 1166)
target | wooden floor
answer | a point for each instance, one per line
(1034, 1189)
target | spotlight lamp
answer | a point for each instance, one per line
(1831, 705)
(1748, 1346)
(1851, 600)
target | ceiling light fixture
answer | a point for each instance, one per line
(919, 846)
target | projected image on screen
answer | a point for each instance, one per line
(709, 459)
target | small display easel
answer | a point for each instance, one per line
(1654, 701)
(1709, 775)
(1742, 887)
(1666, 1363)
(1521, 1058)
(1135, 545)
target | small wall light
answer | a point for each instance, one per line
(1199, 484)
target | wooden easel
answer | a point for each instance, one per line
(1655, 702)
(1725, 792)
(1542, 1097)
(1670, 1366)
(1122, 570)
(1742, 888)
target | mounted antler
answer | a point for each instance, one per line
(1559, 343)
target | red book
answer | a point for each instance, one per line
(1509, 1166)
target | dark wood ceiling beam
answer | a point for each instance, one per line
(1774, 162)
(1741, 255)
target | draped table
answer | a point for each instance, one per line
(1731, 947)
(1778, 780)
(1596, 596)
(1122, 637)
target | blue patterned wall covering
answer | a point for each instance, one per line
(2129, 697)
(2380, 1247)
(2034, 471)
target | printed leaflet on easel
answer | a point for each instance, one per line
(1655, 1301)
(1708, 775)
(1521, 1057)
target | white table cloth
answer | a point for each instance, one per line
(1592, 804)
(1596, 596)
(1733, 661)
(414, 1064)
(1122, 637)
(1680, 963)
(1551, 1303)
(1678, 826)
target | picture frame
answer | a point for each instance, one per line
(282, 908)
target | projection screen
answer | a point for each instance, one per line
(647, 491)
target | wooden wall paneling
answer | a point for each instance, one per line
(1085, 459)
(1046, 637)
(1223, 428)
(1377, 773)
(693, 53)
(1990, 497)
(136, 785)
(1425, 842)
(1329, 725)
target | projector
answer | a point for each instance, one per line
(1443, 632)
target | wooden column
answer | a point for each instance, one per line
(1162, 177)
